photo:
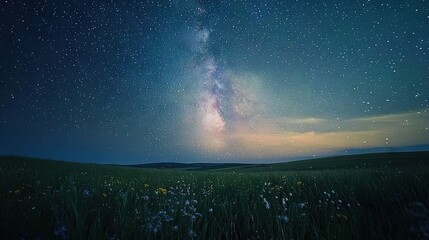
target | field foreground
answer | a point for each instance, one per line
(384, 196)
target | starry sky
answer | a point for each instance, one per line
(212, 81)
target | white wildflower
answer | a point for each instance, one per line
(267, 204)
(284, 218)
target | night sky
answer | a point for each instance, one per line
(212, 81)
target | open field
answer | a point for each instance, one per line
(374, 196)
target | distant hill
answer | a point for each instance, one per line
(190, 166)
(372, 160)
(391, 159)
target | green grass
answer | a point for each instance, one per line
(57, 200)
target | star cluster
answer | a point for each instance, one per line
(148, 81)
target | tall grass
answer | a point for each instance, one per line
(43, 199)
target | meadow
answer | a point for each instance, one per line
(375, 196)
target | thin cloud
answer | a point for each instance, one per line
(269, 139)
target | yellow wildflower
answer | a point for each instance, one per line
(162, 191)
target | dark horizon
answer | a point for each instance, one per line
(350, 152)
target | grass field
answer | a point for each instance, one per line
(374, 196)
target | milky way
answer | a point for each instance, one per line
(213, 89)
(204, 81)
(223, 101)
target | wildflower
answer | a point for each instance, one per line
(191, 233)
(161, 190)
(124, 195)
(154, 227)
(86, 193)
(146, 185)
(104, 195)
(301, 205)
(145, 198)
(17, 192)
(162, 215)
(210, 210)
(175, 228)
(284, 218)
(284, 200)
(61, 232)
(300, 184)
(267, 204)
(342, 216)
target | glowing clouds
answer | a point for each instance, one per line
(210, 117)
(206, 76)
(212, 124)
(212, 120)
(248, 98)
(271, 140)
